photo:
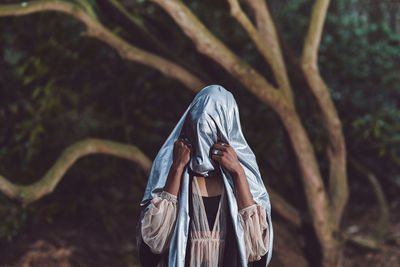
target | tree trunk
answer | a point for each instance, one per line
(325, 205)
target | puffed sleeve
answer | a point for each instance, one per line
(159, 221)
(256, 232)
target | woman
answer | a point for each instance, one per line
(205, 203)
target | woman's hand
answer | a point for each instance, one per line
(180, 157)
(182, 153)
(226, 156)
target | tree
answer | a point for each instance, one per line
(326, 203)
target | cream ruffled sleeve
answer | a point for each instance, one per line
(256, 232)
(159, 221)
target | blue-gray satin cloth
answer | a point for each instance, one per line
(212, 116)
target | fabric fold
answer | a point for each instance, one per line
(159, 221)
(255, 229)
(212, 116)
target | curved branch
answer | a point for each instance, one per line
(138, 22)
(373, 240)
(135, 20)
(314, 33)
(30, 193)
(383, 219)
(336, 151)
(266, 49)
(362, 241)
(97, 30)
(209, 45)
(156, 42)
(267, 31)
(212, 47)
(47, 184)
(286, 210)
(87, 7)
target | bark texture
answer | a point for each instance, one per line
(326, 203)
(27, 194)
(95, 29)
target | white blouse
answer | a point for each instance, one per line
(207, 245)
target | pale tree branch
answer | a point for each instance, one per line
(315, 190)
(285, 209)
(135, 20)
(373, 240)
(362, 241)
(267, 32)
(264, 48)
(158, 44)
(97, 30)
(30, 193)
(138, 22)
(212, 47)
(383, 219)
(313, 37)
(209, 45)
(87, 7)
(336, 150)
(27, 194)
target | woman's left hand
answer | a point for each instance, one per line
(226, 156)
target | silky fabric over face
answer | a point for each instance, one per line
(212, 116)
(205, 124)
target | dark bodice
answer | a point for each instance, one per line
(211, 207)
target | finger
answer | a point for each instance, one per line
(183, 139)
(214, 152)
(177, 143)
(225, 144)
(180, 143)
(219, 147)
(216, 157)
(187, 143)
(189, 148)
(218, 153)
(222, 143)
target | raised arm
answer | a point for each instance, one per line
(252, 216)
(226, 156)
(181, 157)
(159, 221)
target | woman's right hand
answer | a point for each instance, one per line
(180, 156)
(182, 153)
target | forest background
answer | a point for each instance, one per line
(60, 86)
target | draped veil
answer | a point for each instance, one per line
(212, 116)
